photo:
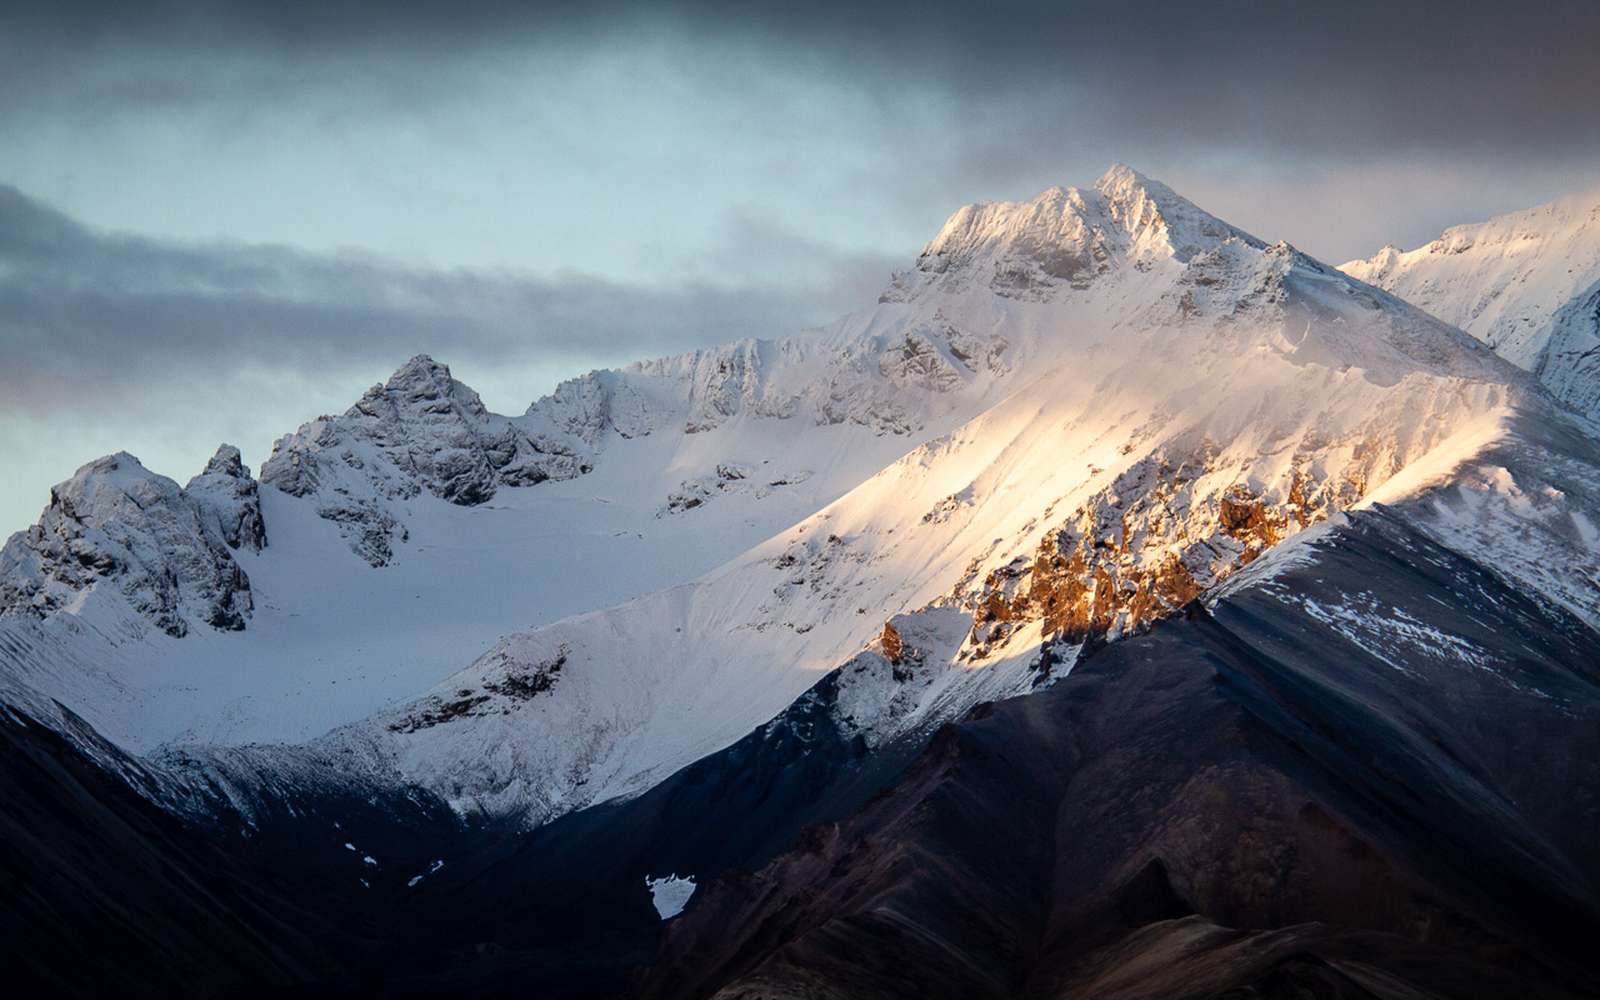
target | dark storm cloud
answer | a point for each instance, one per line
(85, 314)
(1347, 80)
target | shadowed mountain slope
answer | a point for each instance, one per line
(1281, 797)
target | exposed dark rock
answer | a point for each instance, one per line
(367, 526)
(420, 431)
(514, 682)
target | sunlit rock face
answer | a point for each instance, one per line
(1158, 537)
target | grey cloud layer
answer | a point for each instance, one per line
(1349, 80)
(81, 310)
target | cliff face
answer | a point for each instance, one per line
(231, 500)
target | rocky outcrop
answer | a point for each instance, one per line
(729, 478)
(230, 499)
(169, 552)
(421, 431)
(509, 681)
(893, 646)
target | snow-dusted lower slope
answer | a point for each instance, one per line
(1247, 393)
(1526, 283)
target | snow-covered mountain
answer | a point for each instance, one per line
(1240, 394)
(1123, 401)
(617, 484)
(435, 640)
(1525, 283)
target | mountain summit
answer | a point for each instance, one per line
(1066, 238)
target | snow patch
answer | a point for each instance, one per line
(670, 894)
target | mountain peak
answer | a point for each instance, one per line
(119, 465)
(420, 430)
(1120, 176)
(227, 462)
(1526, 283)
(421, 362)
(230, 499)
(420, 368)
(420, 385)
(1065, 237)
(115, 520)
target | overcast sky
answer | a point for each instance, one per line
(220, 219)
